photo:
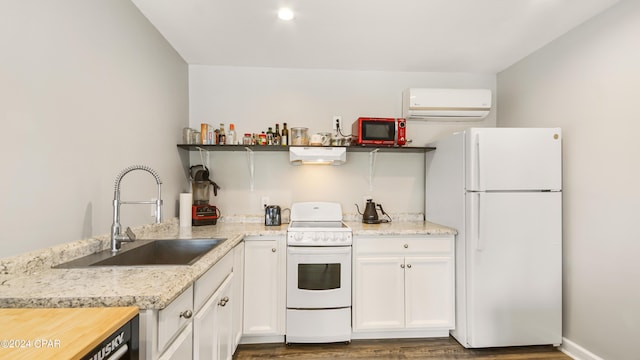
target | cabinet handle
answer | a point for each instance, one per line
(406, 246)
(409, 266)
(224, 301)
(187, 314)
(402, 266)
(273, 250)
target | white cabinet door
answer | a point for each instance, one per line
(182, 347)
(223, 325)
(204, 342)
(429, 292)
(212, 325)
(237, 295)
(264, 292)
(378, 293)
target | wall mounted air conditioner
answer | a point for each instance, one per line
(446, 104)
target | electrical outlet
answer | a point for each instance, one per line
(264, 201)
(336, 122)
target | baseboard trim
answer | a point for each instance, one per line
(261, 339)
(576, 351)
(405, 334)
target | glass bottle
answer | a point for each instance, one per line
(269, 136)
(284, 138)
(231, 135)
(222, 138)
(276, 135)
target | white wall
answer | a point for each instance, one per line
(587, 83)
(87, 88)
(255, 98)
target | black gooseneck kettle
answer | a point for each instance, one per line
(370, 215)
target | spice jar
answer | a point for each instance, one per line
(246, 140)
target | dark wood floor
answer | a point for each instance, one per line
(439, 348)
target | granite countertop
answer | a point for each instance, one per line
(29, 281)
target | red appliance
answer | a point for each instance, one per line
(380, 131)
(204, 214)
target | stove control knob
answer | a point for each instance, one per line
(298, 236)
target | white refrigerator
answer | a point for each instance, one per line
(501, 188)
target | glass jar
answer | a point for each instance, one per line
(246, 139)
(195, 137)
(299, 136)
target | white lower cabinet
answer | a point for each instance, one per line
(165, 333)
(237, 291)
(264, 289)
(378, 293)
(198, 324)
(429, 292)
(181, 348)
(403, 286)
(212, 325)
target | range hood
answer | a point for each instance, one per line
(318, 155)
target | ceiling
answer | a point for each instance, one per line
(479, 36)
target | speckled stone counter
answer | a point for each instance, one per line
(29, 280)
(400, 228)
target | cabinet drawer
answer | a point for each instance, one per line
(404, 245)
(174, 317)
(207, 284)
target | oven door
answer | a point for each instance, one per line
(318, 277)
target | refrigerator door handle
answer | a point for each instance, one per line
(478, 176)
(478, 222)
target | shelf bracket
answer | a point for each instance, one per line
(372, 164)
(207, 156)
(251, 163)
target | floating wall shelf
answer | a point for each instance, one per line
(372, 150)
(401, 149)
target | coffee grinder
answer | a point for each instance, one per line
(203, 213)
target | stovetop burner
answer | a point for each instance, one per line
(318, 224)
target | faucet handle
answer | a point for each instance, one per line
(130, 233)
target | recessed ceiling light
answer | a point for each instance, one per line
(285, 14)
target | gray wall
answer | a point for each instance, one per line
(587, 83)
(87, 88)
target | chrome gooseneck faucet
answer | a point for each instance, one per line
(116, 236)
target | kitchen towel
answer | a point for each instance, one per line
(186, 200)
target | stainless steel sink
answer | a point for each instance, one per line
(149, 253)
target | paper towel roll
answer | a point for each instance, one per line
(186, 200)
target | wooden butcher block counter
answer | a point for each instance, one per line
(60, 333)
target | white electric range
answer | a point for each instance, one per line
(318, 274)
